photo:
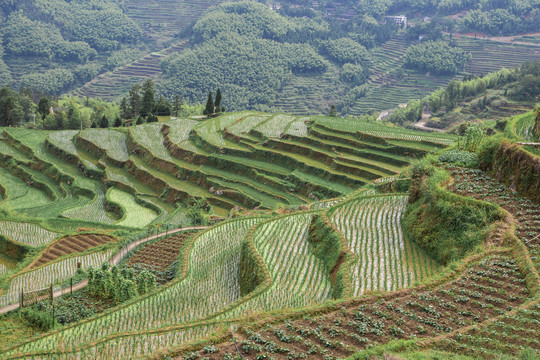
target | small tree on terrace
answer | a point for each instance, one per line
(537, 121)
(104, 122)
(217, 103)
(124, 109)
(148, 103)
(333, 111)
(44, 107)
(177, 105)
(134, 102)
(209, 110)
(118, 122)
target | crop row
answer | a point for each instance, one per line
(298, 277)
(26, 233)
(54, 273)
(384, 259)
(487, 288)
(210, 284)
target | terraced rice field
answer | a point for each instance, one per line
(135, 215)
(149, 174)
(489, 56)
(95, 211)
(113, 142)
(115, 84)
(275, 125)
(26, 233)
(6, 264)
(360, 324)
(269, 161)
(20, 196)
(298, 277)
(70, 245)
(384, 259)
(50, 274)
(210, 285)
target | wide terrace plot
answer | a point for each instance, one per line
(212, 289)
(244, 159)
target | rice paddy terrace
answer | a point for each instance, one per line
(385, 88)
(135, 176)
(165, 18)
(293, 283)
(113, 84)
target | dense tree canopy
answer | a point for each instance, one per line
(50, 81)
(248, 70)
(346, 50)
(60, 33)
(437, 57)
(23, 36)
(503, 17)
(256, 20)
(14, 108)
(99, 23)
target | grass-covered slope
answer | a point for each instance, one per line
(246, 160)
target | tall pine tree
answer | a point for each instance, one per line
(148, 103)
(135, 100)
(177, 105)
(124, 109)
(217, 103)
(104, 122)
(209, 110)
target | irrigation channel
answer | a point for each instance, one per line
(116, 259)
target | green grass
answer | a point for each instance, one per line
(135, 215)
(9, 150)
(112, 141)
(275, 125)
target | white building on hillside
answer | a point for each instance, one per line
(399, 19)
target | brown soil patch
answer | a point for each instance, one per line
(69, 245)
(158, 256)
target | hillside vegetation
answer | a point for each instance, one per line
(311, 234)
(340, 54)
(159, 228)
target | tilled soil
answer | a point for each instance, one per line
(69, 245)
(158, 256)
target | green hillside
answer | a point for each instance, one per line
(247, 160)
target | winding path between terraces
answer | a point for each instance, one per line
(119, 256)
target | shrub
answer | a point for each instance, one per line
(437, 57)
(446, 225)
(459, 157)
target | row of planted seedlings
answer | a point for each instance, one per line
(507, 282)
(154, 307)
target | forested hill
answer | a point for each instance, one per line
(56, 45)
(292, 56)
(306, 58)
(52, 44)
